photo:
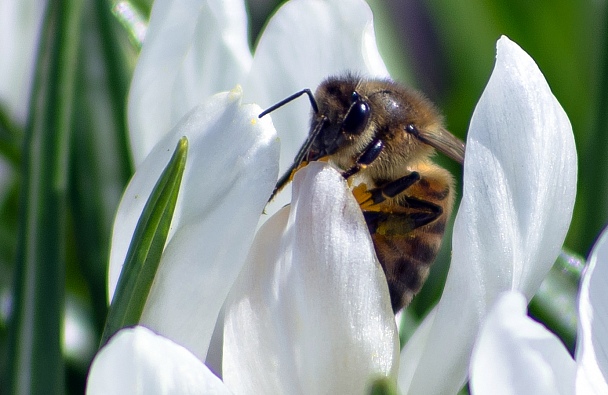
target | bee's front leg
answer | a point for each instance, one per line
(370, 154)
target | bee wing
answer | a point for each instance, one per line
(445, 142)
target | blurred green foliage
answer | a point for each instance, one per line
(446, 49)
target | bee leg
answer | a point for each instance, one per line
(429, 211)
(370, 154)
(391, 223)
(419, 212)
(391, 189)
(405, 247)
(406, 244)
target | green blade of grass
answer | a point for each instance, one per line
(35, 359)
(593, 181)
(100, 164)
(146, 247)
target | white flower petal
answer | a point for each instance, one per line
(515, 355)
(193, 49)
(137, 361)
(311, 305)
(414, 349)
(518, 193)
(305, 42)
(592, 340)
(230, 172)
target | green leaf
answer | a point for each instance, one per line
(11, 139)
(593, 181)
(555, 303)
(146, 247)
(407, 326)
(36, 365)
(100, 163)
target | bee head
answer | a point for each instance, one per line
(373, 124)
(342, 116)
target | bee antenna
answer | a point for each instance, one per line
(313, 102)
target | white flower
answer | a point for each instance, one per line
(182, 55)
(229, 158)
(195, 48)
(310, 310)
(518, 193)
(516, 355)
(311, 304)
(137, 361)
(218, 207)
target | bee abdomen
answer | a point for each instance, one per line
(406, 260)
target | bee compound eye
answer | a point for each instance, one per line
(357, 115)
(411, 129)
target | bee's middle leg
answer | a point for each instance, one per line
(420, 212)
(393, 188)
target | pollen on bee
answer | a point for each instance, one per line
(254, 121)
(294, 171)
(361, 193)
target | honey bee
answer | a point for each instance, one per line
(381, 135)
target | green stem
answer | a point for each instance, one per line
(383, 386)
(36, 365)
